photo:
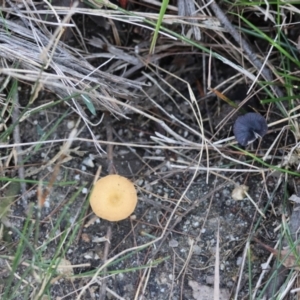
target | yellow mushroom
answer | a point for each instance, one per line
(113, 198)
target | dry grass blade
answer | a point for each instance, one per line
(187, 8)
(60, 157)
(217, 266)
(73, 75)
(244, 259)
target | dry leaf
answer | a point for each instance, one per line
(286, 256)
(289, 260)
(238, 192)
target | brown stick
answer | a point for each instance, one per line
(17, 140)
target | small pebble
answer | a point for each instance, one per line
(88, 161)
(140, 182)
(120, 132)
(210, 279)
(77, 177)
(195, 224)
(47, 203)
(99, 239)
(173, 243)
(239, 261)
(185, 134)
(70, 124)
(88, 255)
(196, 250)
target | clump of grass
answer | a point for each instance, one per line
(28, 264)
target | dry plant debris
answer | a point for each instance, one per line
(238, 192)
(288, 257)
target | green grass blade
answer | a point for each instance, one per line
(162, 12)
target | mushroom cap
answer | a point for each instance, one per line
(113, 198)
(249, 127)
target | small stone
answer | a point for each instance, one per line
(195, 224)
(120, 132)
(173, 243)
(196, 250)
(239, 261)
(140, 182)
(210, 279)
(47, 203)
(99, 239)
(88, 161)
(88, 255)
(70, 124)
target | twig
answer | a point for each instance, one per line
(17, 141)
(109, 150)
(102, 295)
(113, 293)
